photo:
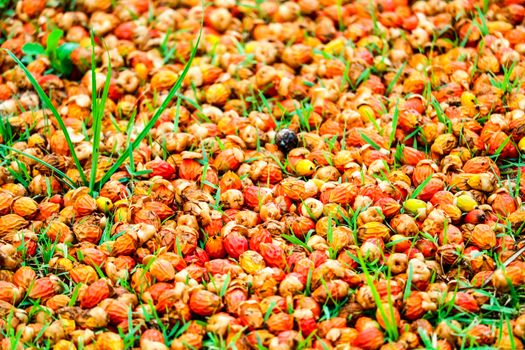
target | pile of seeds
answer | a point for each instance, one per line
(310, 174)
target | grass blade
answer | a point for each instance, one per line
(370, 141)
(49, 105)
(391, 327)
(395, 119)
(67, 180)
(396, 78)
(507, 262)
(97, 113)
(157, 114)
(296, 241)
(421, 186)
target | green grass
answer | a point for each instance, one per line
(62, 176)
(370, 141)
(98, 106)
(97, 112)
(47, 102)
(58, 55)
(295, 240)
(396, 78)
(500, 307)
(155, 116)
(332, 251)
(420, 188)
(389, 320)
(395, 119)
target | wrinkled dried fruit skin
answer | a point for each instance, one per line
(273, 255)
(44, 288)
(369, 339)
(11, 223)
(204, 303)
(235, 245)
(307, 142)
(161, 168)
(9, 292)
(95, 293)
(24, 276)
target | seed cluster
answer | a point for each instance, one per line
(330, 174)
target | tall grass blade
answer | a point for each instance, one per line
(67, 180)
(396, 78)
(370, 141)
(97, 113)
(391, 326)
(157, 114)
(49, 105)
(421, 186)
(395, 119)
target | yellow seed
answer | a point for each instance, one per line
(466, 203)
(444, 143)
(121, 203)
(217, 94)
(381, 63)
(121, 215)
(250, 47)
(413, 205)
(373, 230)
(251, 261)
(304, 167)
(312, 41)
(498, 27)
(85, 42)
(521, 144)
(371, 40)
(213, 39)
(164, 79)
(468, 99)
(141, 70)
(63, 344)
(367, 113)
(104, 204)
(36, 140)
(485, 182)
(318, 182)
(69, 325)
(335, 47)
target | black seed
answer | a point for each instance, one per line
(286, 140)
